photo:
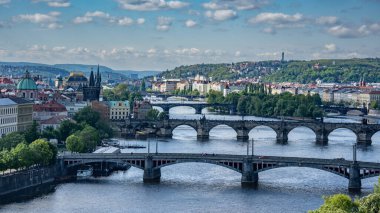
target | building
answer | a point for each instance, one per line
(119, 110)
(8, 116)
(48, 110)
(24, 113)
(73, 107)
(27, 88)
(74, 80)
(53, 122)
(91, 92)
(141, 109)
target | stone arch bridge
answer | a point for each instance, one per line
(248, 166)
(364, 132)
(197, 106)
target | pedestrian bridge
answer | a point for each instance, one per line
(249, 166)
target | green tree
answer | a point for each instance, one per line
(370, 203)
(374, 105)
(11, 140)
(152, 114)
(42, 154)
(143, 87)
(340, 203)
(3, 163)
(50, 133)
(75, 144)
(87, 115)
(23, 156)
(66, 128)
(32, 133)
(105, 130)
(90, 136)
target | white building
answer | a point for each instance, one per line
(8, 116)
(119, 110)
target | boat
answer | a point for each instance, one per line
(85, 172)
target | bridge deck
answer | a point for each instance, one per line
(188, 156)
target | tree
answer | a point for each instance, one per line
(370, 203)
(75, 144)
(143, 87)
(152, 114)
(3, 163)
(11, 140)
(340, 203)
(104, 129)
(67, 128)
(42, 154)
(90, 137)
(23, 156)
(32, 133)
(87, 115)
(50, 133)
(374, 105)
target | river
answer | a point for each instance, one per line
(197, 187)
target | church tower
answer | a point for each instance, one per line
(91, 92)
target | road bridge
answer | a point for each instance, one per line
(344, 110)
(248, 165)
(197, 106)
(282, 128)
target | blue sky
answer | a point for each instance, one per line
(163, 34)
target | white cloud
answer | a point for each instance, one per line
(190, 23)
(234, 4)
(164, 23)
(276, 18)
(82, 20)
(327, 20)
(59, 48)
(151, 5)
(91, 16)
(330, 47)
(125, 21)
(55, 3)
(221, 15)
(4, 2)
(269, 30)
(237, 54)
(49, 20)
(140, 21)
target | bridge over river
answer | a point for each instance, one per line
(164, 128)
(248, 165)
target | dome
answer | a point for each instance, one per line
(26, 83)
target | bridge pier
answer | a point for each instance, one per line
(355, 183)
(282, 137)
(202, 134)
(322, 138)
(249, 177)
(363, 138)
(165, 132)
(242, 135)
(151, 174)
(198, 110)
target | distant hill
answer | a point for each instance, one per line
(328, 70)
(18, 69)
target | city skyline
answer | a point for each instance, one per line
(163, 34)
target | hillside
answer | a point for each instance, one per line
(18, 69)
(328, 70)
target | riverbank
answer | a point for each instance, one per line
(30, 183)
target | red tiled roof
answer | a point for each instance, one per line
(51, 106)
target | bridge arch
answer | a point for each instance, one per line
(354, 112)
(191, 133)
(187, 110)
(342, 132)
(213, 131)
(262, 132)
(375, 137)
(343, 172)
(135, 163)
(235, 166)
(309, 132)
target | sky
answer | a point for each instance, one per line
(163, 34)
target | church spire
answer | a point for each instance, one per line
(92, 80)
(98, 78)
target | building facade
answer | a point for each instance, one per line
(27, 88)
(8, 116)
(119, 110)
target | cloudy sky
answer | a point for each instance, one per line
(163, 34)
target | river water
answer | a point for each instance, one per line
(197, 187)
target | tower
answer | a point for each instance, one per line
(282, 57)
(91, 91)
